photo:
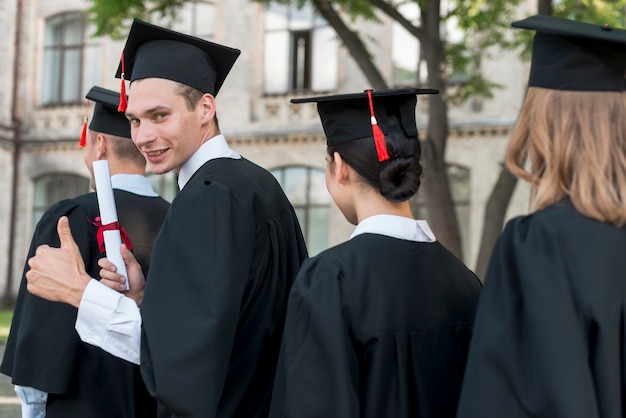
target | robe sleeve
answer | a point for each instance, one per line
(42, 343)
(193, 298)
(529, 355)
(317, 372)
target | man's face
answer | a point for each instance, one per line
(166, 132)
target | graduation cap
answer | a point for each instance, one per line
(106, 118)
(571, 55)
(153, 51)
(348, 117)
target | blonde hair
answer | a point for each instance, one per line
(576, 144)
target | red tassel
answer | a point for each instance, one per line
(83, 135)
(123, 103)
(379, 136)
(379, 139)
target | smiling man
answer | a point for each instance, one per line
(215, 300)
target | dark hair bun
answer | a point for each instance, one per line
(400, 178)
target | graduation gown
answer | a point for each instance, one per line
(549, 337)
(44, 350)
(215, 299)
(376, 327)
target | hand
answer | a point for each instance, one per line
(115, 281)
(58, 274)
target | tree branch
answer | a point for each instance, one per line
(391, 11)
(352, 42)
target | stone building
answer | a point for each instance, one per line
(50, 60)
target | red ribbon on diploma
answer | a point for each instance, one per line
(109, 227)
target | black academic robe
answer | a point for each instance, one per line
(44, 350)
(216, 296)
(376, 327)
(550, 330)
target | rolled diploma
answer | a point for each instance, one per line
(108, 214)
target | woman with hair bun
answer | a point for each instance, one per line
(378, 326)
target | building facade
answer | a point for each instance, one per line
(51, 59)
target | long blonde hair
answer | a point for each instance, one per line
(576, 144)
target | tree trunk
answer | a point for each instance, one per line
(544, 7)
(439, 203)
(498, 201)
(352, 42)
(495, 211)
(441, 214)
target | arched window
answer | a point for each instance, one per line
(51, 188)
(71, 64)
(305, 188)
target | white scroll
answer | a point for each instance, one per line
(108, 215)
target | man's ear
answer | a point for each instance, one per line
(102, 145)
(207, 107)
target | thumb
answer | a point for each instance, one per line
(126, 254)
(65, 233)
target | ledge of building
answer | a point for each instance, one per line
(306, 135)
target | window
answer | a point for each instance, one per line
(51, 188)
(409, 68)
(305, 188)
(197, 18)
(70, 65)
(300, 51)
(301, 60)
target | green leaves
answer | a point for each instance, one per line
(113, 17)
(468, 30)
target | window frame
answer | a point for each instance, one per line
(302, 74)
(55, 182)
(306, 207)
(60, 51)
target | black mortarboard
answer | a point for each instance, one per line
(106, 118)
(348, 117)
(571, 55)
(153, 51)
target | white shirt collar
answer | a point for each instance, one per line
(133, 183)
(216, 147)
(396, 227)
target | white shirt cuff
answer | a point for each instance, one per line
(33, 401)
(111, 321)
